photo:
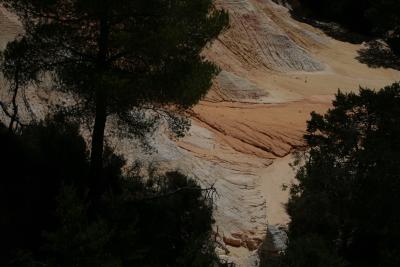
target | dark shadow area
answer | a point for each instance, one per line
(49, 218)
(273, 246)
(338, 32)
(332, 29)
(377, 54)
(318, 20)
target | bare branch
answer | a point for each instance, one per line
(210, 192)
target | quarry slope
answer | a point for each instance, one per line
(275, 71)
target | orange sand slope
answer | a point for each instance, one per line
(275, 71)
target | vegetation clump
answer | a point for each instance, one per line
(344, 208)
(48, 218)
(140, 61)
(374, 18)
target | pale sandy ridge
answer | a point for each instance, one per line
(275, 72)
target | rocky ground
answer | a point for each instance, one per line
(275, 71)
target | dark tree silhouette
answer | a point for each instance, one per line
(372, 18)
(344, 209)
(48, 220)
(122, 55)
(377, 54)
(18, 72)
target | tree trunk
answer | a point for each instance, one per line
(96, 157)
(97, 182)
(14, 116)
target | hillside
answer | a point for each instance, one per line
(275, 71)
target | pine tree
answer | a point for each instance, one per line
(18, 72)
(344, 207)
(121, 55)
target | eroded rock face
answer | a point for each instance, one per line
(275, 71)
(257, 41)
(9, 27)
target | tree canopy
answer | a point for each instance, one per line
(48, 220)
(370, 17)
(138, 61)
(17, 70)
(121, 56)
(344, 208)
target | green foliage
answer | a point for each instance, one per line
(350, 13)
(310, 251)
(173, 222)
(123, 57)
(349, 185)
(78, 241)
(34, 165)
(165, 221)
(142, 62)
(19, 73)
(371, 17)
(48, 218)
(385, 16)
(151, 48)
(14, 64)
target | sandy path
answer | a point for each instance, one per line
(273, 178)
